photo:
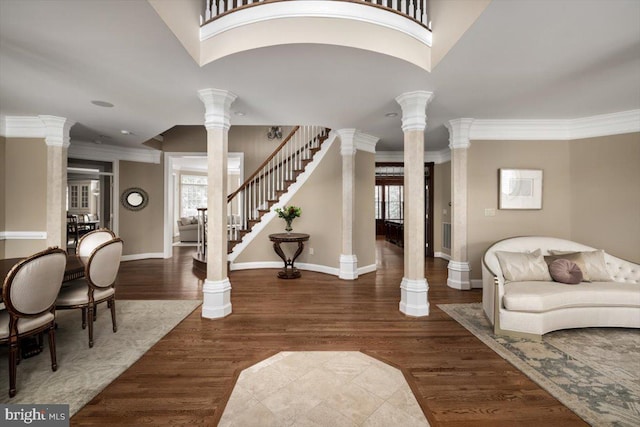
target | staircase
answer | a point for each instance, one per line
(256, 196)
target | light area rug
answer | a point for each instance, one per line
(595, 372)
(82, 371)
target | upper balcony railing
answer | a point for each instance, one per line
(417, 10)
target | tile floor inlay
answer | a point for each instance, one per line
(322, 388)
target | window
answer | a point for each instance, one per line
(193, 194)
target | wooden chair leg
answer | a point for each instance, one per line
(95, 312)
(90, 326)
(52, 348)
(84, 317)
(112, 304)
(13, 354)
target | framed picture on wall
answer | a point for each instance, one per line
(520, 189)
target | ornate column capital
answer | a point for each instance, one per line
(56, 132)
(414, 109)
(352, 140)
(217, 103)
(459, 131)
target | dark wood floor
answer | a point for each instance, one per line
(186, 378)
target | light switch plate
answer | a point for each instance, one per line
(489, 212)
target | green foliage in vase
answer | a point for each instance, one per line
(288, 213)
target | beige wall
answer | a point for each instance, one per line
(364, 230)
(321, 202)
(142, 231)
(253, 142)
(250, 140)
(2, 191)
(25, 193)
(605, 196)
(441, 198)
(485, 159)
(184, 139)
(590, 193)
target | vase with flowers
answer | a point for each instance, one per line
(288, 213)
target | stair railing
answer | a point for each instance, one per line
(271, 179)
(417, 10)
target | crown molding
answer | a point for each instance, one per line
(437, 157)
(110, 153)
(23, 127)
(564, 129)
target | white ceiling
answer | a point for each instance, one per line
(522, 59)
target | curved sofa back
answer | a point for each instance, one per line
(621, 270)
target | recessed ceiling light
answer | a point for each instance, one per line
(392, 114)
(126, 132)
(102, 104)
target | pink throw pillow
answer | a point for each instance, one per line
(565, 271)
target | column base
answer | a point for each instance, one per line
(459, 275)
(348, 267)
(216, 298)
(413, 297)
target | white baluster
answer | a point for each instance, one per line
(403, 6)
(411, 11)
(394, 4)
(220, 7)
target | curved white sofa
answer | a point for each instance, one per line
(543, 307)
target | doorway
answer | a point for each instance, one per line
(389, 203)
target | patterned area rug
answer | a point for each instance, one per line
(593, 371)
(82, 371)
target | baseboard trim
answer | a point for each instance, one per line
(442, 255)
(367, 269)
(278, 264)
(135, 257)
(476, 283)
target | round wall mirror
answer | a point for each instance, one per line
(134, 198)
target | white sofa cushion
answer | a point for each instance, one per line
(537, 297)
(523, 266)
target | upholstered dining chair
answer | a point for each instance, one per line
(92, 240)
(29, 292)
(96, 287)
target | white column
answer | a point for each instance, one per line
(414, 286)
(459, 144)
(351, 141)
(217, 287)
(348, 260)
(57, 140)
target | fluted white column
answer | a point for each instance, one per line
(57, 140)
(217, 287)
(459, 144)
(414, 287)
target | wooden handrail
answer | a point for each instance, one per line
(259, 168)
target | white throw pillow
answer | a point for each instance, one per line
(523, 266)
(594, 263)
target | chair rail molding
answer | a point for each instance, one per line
(23, 235)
